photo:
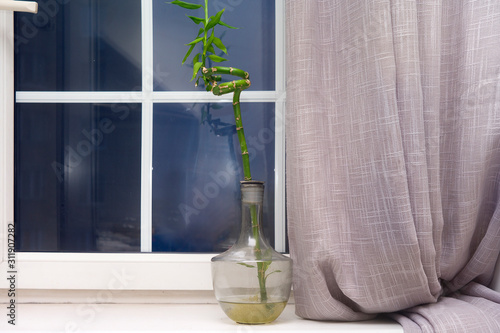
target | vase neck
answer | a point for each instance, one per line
(252, 198)
(252, 192)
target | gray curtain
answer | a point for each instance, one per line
(393, 160)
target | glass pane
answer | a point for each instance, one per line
(197, 170)
(81, 45)
(77, 178)
(251, 47)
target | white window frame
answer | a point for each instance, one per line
(124, 271)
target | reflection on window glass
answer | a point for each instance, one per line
(79, 45)
(77, 178)
(197, 170)
(251, 47)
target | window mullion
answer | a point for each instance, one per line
(78, 96)
(147, 126)
(263, 96)
(279, 139)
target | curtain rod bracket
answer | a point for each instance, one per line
(19, 6)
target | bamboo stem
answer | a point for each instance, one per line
(211, 78)
(237, 86)
(241, 136)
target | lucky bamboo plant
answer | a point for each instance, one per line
(207, 43)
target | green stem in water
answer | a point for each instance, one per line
(261, 267)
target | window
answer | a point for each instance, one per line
(107, 122)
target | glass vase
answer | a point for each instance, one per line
(251, 280)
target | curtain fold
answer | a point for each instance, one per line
(393, 160)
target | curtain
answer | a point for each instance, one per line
(393, 161)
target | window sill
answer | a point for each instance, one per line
(166, 318)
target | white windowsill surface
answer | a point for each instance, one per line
(166, 318)
(151, 311)
(156, 311)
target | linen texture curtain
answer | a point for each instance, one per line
(393, 161)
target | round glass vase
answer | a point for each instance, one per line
(251, 280)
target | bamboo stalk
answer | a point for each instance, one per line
(236, 87)
(211, 78)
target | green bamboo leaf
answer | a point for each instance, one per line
(246, 265)
(196, 58)
(196, 68)
(227, 25)
(196, 20)
(210, 49)
(220, 45)
(209, 42)
(196, 41)
(216, 58)
(184, 4)
(214, 20)
(276, 271)
(211, 39)
(210, 24)
(188, 53)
